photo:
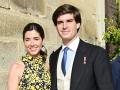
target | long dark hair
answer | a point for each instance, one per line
(39, 29)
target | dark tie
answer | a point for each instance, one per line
(64, 59)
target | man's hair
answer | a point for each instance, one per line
(65, 9)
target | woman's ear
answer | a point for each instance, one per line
(43, 42)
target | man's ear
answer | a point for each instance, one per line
(78, 25)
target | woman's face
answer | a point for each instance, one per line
(33, 42)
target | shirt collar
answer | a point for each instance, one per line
(73, 45)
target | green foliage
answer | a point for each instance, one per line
(112, 35)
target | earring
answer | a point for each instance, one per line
(43, 49)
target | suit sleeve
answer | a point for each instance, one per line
(116, 73)
(53, 72)
(102, 70)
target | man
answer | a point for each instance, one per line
(116, 73)
(87, 67)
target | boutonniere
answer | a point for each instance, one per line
(84, 60)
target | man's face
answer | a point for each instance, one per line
(67, 27)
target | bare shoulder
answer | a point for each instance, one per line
(17, 65)
(17, 68)
(47, 65)
(15, 74)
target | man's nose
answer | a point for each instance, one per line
(64, 25)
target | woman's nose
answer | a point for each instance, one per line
(32, 43)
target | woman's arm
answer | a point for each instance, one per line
(14, 75)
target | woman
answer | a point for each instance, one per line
(31, 73)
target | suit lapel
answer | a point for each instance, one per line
(55, 60)
(55, 57)
(77, 65)
(53, 65)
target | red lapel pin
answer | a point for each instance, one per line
(85, 60)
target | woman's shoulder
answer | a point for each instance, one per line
(17, 65)
(17, 68)
(15, 74)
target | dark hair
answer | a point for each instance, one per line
(36, 27)
(64, 9)
(39, 29)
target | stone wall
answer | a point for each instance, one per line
(15, 14)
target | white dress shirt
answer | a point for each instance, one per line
(63, 82)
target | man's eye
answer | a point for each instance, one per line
(71, 20)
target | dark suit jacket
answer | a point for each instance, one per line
(116, 73)
(94, 75)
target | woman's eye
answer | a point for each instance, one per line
(36, 39)
(26, 39)
(59, 22)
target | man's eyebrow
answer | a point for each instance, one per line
(70, 19)
(36, 37)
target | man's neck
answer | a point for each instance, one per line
(66, 43)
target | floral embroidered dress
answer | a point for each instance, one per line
(35, 75)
